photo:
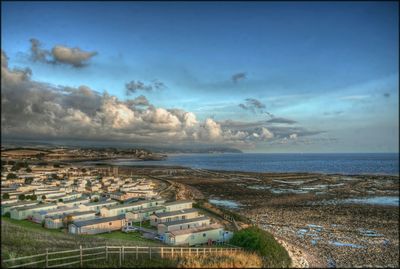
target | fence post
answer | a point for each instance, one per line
(120, 256)
(190, 252)
(47, 257)
(150, 253)
(204, 251)
(197, 251)
(181, 252)
(123, 253)
(137, 252)
(80, 254)
(106, 253)
(172, 252)
(162, 252)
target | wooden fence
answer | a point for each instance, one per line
(82, 255)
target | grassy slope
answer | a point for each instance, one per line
(264, 244)
(22, 238)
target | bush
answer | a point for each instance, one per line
(11, 176)
(6, 196)
(33, 197)
(28, 170)
(255, 239)
(28, 180)
(21, 197)
(8, 215)
(44, 197)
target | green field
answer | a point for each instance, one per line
(23, 238)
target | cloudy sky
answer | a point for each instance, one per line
(260, 76)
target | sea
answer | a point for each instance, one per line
(337, 163)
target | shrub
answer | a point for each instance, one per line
(21, 197)
(28, 180)
(33, 197)
(11, 176)
(264, 244)
(44, 197)
(6, 196)
(28, 170)
(8, 215)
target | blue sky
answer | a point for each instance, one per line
(329, 66)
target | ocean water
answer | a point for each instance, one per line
(363, 163)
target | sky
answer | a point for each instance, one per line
(257, 76)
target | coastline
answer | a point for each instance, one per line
(285, 214)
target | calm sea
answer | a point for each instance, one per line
(365, 163)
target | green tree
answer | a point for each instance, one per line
(6, 196)
(28, 180)
(15, 168)
(11, 176)
(60, 200)
(44, 197)
(21, 197)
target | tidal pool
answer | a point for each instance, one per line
(225, 203)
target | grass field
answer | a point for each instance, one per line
(23, 238)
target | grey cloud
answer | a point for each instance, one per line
(37, 53)
(72, 56)
(281, 120)
(60, 54)
(139, 101)
(238, 77)
(278, 131)
(255, 106)
(134, 86)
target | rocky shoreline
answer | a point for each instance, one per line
(297, 209)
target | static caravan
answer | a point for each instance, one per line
(8, 207)
(157, 218)
(58, 221)
(39, 216)
(28, 211)
(97, 225)
(98, 205)
(184, 224)
(124, 208)
(195, 236)
(144, 214)
(178, 205)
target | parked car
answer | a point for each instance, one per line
(159, 237)
(129, 229)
